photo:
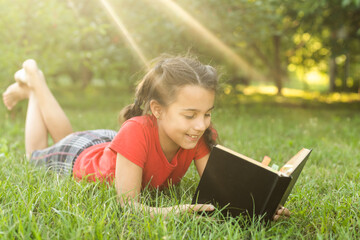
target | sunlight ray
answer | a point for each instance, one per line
(207, 36)
(122, 29)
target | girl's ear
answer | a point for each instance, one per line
(156, 108)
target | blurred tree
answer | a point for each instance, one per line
(95, 48)
(256, 30)
(76, 38)
(274, 34)
(73, 39)
(336, 24)
(30, 31)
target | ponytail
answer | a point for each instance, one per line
(143, 95)
(130, 111)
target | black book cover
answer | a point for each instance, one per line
(241, 186)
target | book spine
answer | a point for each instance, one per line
(275, 196)
(269, 196)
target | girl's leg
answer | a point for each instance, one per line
(53, 116)
(36, 132)
(44, 113)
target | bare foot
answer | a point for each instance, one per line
(20, 77)
(15, 93)
(33, 75)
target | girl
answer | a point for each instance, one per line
(167, 126)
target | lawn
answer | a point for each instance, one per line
(325, 202)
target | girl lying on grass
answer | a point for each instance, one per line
(165, 129)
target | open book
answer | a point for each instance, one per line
(241, 185)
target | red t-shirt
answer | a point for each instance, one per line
(138, 141)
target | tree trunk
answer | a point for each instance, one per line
(85, 76)
(277, 64)
(332, 74)
(346, 70)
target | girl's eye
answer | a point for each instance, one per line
(208, 115)
(189, 117)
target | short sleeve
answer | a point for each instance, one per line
(130, 142)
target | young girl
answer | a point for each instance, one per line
(165, 129)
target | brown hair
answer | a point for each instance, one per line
(162, 82)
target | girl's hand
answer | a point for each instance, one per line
(181, 209)
(195, 208)
(281, 213)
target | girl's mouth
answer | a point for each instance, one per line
(193, 137)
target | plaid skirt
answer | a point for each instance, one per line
(61, 156)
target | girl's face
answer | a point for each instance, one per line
(182, 123)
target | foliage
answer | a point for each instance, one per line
(283, 40)
(61, 38)
(335, 32)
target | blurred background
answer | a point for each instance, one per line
(307, 49)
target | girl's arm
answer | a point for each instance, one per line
(128, 177)
(201, 163)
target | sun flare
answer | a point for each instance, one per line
(123, 30)
(170, 7)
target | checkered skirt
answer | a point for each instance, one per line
(61, 156)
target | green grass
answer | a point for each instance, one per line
(324, 203)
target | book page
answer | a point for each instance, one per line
(247, 159)
(286, 170)
(294, 162)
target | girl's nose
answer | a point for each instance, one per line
(200, 124)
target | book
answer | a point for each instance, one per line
(237, 184)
